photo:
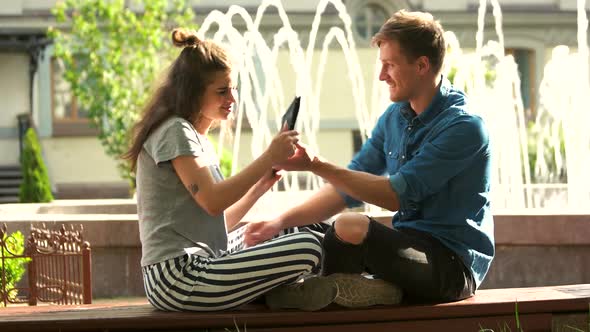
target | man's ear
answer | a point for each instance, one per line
(423, 64)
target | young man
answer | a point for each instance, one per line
(436, 160)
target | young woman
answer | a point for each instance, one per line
(185, 205)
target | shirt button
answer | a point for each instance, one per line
(403, 157)
(409, 128)
(389, 153)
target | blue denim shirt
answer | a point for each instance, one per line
(439, 165)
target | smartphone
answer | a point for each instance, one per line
(290, 115)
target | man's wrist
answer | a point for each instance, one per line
(316, 165)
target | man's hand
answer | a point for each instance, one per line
(301, 160)
(260, 231)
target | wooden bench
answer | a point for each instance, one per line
(539, 309)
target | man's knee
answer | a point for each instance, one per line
(352, 227)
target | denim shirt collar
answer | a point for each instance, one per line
(432, 110)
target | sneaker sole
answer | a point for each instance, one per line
(311, 295)
(356, 291)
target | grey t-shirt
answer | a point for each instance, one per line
(170, 220)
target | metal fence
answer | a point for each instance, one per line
(58, 267)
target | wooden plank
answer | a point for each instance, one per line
(530, 323)
(140, 315)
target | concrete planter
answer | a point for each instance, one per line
(534, 247)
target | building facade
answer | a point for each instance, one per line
(31, 80)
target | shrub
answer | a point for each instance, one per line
(225, 159)
(14, 268)
(35, 187)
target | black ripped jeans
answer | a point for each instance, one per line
(425, 269)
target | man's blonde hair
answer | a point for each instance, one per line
(418, 34)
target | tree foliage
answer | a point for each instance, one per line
(35, 187)
(112, 52)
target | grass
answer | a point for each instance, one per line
(506, 328)
(237, 328)
(569, 328)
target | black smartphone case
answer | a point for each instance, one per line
(291, 115)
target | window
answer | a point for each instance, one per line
(357, 141)
(525, 60)
(368, 20)
(68, 118)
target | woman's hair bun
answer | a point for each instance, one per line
(184, 38)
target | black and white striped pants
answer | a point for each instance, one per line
(196, 283)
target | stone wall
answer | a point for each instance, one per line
(540, 250)
(532, 250)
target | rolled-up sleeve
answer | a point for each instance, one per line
(371, 158)
(441, 158)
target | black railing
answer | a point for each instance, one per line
(24, 123)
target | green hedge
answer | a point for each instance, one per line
(35, 187)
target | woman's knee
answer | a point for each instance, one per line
(306, 242)
(352, 227)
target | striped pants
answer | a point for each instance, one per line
(196, 283)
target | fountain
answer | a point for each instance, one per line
(262, 97)
(560, 113)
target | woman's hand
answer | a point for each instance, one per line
(283, 146)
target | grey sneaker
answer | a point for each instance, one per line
(310, 295)
(355, 290)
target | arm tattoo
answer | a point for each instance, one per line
(193, 188)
